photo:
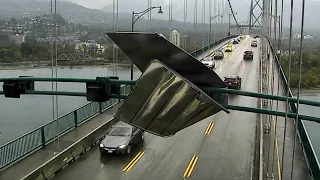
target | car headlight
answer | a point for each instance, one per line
(101, 145)
(122, 146)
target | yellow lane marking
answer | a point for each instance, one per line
(209, 128)
(133, 162)
(191, 166)
(277, 150)
(278, 161)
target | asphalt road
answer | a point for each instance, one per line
(224, 153)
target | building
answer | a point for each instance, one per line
(175, 38)
(17, 38)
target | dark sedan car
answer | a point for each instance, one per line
(248, 55)
(121, 138)
(218, 55)
(254, 44)
(235, 41)
(233, 82)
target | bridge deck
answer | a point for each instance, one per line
(33, 161)
(300, 170)
(36, 159)
(226, 153)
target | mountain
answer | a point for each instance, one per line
(241, 7)
(70, 11)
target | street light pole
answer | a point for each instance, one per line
(134, 20)
(229, 26)
(211, 19)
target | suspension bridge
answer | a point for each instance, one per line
(192, 131)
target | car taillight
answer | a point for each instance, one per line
(225, 81)
(235, 81)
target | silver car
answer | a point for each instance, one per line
(121, 138)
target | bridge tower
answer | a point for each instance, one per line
(255, 17)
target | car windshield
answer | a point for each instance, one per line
(218, 52)
(207, 59)
(248, 52)
(120, 131)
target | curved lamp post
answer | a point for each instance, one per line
(211, 19)
(135, 18)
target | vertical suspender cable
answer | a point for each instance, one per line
(287, 90)
(271, 101)
(52, 71)
(113, 29)
(195, 17)
(299, 86)
(169, 22)
(56, 69)
(117, 49)
(209, 35)
(273, 63)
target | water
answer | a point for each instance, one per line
(312, 127)
(19, 116)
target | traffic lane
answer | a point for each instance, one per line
(230, 64)
(300, 170)
(228, 152)
(167, 158)
(91, 166)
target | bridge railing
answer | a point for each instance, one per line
(17, 149)
(209, 46)
(308, 149)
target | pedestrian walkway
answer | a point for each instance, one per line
(38, 158)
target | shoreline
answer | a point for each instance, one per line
(307, 92)
(29, 66)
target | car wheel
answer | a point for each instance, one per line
(129, 149)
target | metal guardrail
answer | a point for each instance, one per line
(67, 156)
(15, 150)
(308, 149)
(203, 49)
(19, 148)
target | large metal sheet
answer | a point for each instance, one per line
(142, 48)
(163, 102)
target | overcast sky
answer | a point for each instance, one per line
(98, 4)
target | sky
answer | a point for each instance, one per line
(98, 4)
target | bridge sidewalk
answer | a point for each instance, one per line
(275, 141)
(36, 159)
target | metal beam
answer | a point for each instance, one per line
(230, 107)
(258, 95)
(128, 82)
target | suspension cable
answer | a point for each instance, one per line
(234, 17)
(52, 71)
(209, 34)
(117, 49)
(56, 75)
(287, 95)
(272, 84)
(299, 86)
(275, 125)
(195, 16)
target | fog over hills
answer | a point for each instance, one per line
(73, 12)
